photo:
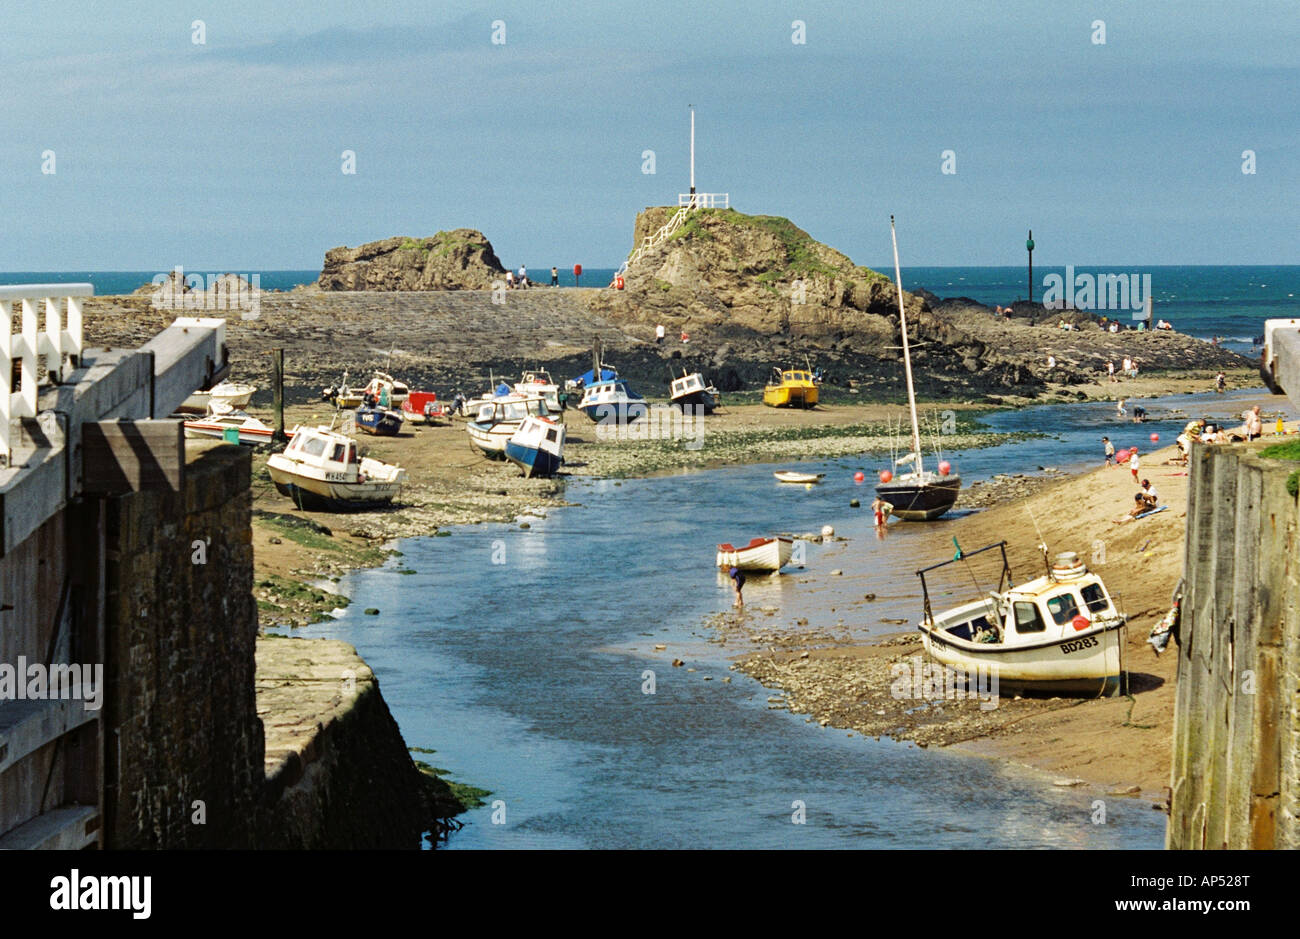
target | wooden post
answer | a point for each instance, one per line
(277, 389)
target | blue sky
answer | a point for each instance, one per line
(228, 154)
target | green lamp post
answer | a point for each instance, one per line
(1030, 246)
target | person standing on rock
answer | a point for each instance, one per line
(510, 280)
(1051, 361)
(1110, 371)
(659, 334)
(523, 276)
(555, 276)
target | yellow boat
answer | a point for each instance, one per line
(796, 390)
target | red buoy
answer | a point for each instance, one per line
(859, 476)
(945, 468)
(618, 282)
(1155, 438)
(885, 476)
(1080, 622)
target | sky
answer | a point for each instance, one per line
(229, 153)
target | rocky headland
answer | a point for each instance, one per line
(462, 259)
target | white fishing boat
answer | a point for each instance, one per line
(321, 470)
(498, 418)
(540, 383)
(1059, 633)
(690, 394)
(537, 447)
(789, 476)
(226, 423)
(230, 394)
(761, 554)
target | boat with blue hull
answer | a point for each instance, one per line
(537, 447)
(612, 402)
(382, 422)
(497, 420)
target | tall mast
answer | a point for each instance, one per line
(907, 355)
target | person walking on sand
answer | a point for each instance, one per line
(737, 585)
(1134, 464)
(555, 276)
(1110, 450)
(1254, 423)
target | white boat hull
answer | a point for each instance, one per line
(1082, 660)
(772, 555)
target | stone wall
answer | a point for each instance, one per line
(190, 687)
(1236, 760)
(182, 723)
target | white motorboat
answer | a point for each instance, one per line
(1057, 633)
(230, 394)
(540, 383)
(761, 554)
(321, 470)
(498, 418)
(690, 394)
(537, 447)
(226, 423)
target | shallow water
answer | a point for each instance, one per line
(527, 675)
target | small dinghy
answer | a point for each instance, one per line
(422, 407)
(320, 470)
(792, 477)
(761, 554)
(1059, 633)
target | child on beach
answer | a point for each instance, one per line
(737, 585)
(1134, 464)
(1119, 409)
(881, 508)
(1110, 450)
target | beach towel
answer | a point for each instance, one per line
(1152, 512)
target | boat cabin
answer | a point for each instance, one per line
(796, 377)
(330, 451)
(688, 384)
(510, 408)
(1058, 604)
(536, 378)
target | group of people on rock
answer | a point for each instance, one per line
(521, 281)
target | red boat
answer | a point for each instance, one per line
(423, 407)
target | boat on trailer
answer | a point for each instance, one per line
(497, 420)
(321, 470)
(537, 447)
(1059, 633)
(690, 394)
(761, 554)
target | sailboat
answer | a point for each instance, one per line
(917, 495)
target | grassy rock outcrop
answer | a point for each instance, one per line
(462, 259)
